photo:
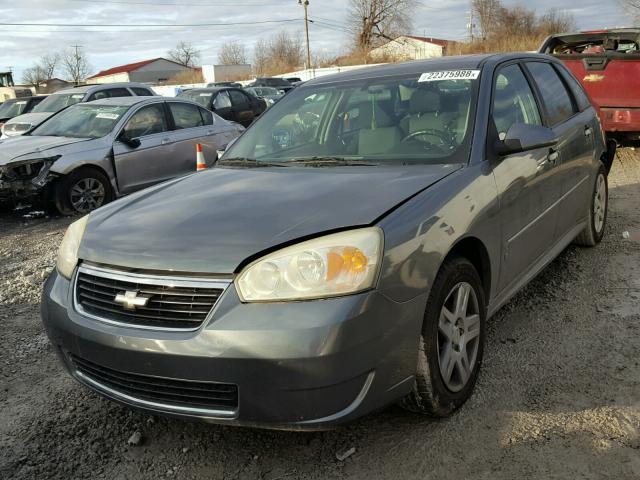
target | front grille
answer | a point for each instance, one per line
(165, 393)
(173, 303)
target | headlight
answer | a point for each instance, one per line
(68, 252)
(338, 264)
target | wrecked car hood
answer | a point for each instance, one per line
(32, 119)
(26, 147)
(210, 222)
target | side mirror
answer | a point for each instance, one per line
(130, 142)
(523, 138)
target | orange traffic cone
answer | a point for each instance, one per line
(200, 163)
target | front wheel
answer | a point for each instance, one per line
(451, 343)
(597, 216)
(82, 191)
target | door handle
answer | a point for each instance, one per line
(588, 131)
(165, 141)
(210, 132)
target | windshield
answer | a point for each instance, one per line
(82, 121)
(12, 109)
(58, 101)
(617, 44)
(274, 82)
(411, 119)
(201, 98)
(264, 91)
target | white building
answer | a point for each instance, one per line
(409, 47)
(155, 70)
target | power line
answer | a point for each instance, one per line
(174, 4)
(141, 25)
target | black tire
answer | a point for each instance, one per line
(65, 197)
(431, 395)
(591, 236)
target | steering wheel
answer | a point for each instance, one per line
(443, 139)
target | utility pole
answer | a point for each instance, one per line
(471, 26)
(305, 4)
(76, 64)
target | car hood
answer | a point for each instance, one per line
(25, 147)
(33, 119)
(210, 222)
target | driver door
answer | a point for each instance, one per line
(527, 182)
(147, 164)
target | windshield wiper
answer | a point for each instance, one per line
(245, 163)
(318, 161)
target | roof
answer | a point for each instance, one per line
(460, 62)
(130, 67)
(99, 86)
(435, 41)
(125, 101)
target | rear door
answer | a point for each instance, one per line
(191, 125)
(575, 130)
(242, 108)
(526, 184)
(142, 166)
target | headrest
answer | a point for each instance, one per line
(424, 101)
(373, 116)
(611, 44)
(595, 49)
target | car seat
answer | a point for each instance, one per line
(379, 132)
(425, 113)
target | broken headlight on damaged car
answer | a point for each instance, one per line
(21, 176)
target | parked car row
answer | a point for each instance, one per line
(82, 147)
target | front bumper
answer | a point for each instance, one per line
(297, 365)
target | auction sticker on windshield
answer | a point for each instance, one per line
(449, 75)
(108, 116)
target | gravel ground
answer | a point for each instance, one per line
(558, 396)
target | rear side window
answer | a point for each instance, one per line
(110, 93)
(555, 96)
(578, 92)
(142, 92)
(513, 101)
(222, 100)
(185, 115)
(207, 116)
(238, 99)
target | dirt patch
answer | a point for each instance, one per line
(558, 397)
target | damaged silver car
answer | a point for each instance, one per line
(91, 153)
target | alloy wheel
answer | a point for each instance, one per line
(600, 203)
(458, 336)
(86, 194)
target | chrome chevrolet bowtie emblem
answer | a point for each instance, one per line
(130, 300)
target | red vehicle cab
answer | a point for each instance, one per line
(607, 63)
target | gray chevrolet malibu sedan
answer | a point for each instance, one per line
(346, 251)
(91, 153)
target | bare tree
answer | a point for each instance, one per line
(375, 21)
(75, 65)
(555, 21)
(185, 54)
(34, 76)
(280, 53)
(232, 53)
(486, 12)
(49, 64)
(632, 6)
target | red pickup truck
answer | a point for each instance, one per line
(607, 63)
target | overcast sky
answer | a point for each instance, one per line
(106, 47)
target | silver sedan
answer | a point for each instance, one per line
(91, 153)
